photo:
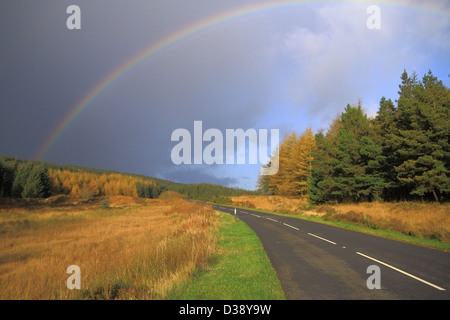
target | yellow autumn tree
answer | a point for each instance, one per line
(295, 158)
(303, 151)
(86, 184)
(283, 181)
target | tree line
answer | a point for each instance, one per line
(37, 179)
(24, 181)
(403, 153)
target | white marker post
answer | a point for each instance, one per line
(235, 215)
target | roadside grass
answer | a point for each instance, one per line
(384, 233)
(240, 270)
(421, 224)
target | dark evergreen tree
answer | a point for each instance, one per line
(320, 184)
(149, 190)
(1, 181)
(38, 184)
(422, 139)
(8, 171)
(347, 165)
(385, 131)
(140, 190)
(23, 171)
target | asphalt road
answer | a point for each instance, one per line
(314, 261)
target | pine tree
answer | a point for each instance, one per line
(422, 139)
(37, 183)
(319, 188)
(346, 165)
(385, 128)
(357, 174)
(23, 171)
(322, 184)
(9, 173)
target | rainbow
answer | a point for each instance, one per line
(154, 48)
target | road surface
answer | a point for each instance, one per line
(315, 261)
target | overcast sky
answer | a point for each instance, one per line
(287, 67)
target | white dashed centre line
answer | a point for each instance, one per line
(288, 225)
(272, 219)
(311, 234)
(401, 271)
(255, 215)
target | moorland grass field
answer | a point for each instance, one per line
(129, 248)
(126, 248)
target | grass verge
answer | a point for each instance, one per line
(384, 233)
(240, 270)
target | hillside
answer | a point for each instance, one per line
(23, 178)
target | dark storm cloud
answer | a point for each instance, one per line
(284, 69)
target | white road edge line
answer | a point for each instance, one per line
(255, 215)
(401, 271)
(288, 225)
(311, 234)
(272, 219)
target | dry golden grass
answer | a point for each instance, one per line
(424, 220)
(138, 249)
(272, 203)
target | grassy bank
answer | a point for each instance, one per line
(240, 271)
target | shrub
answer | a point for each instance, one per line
(105, 204)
